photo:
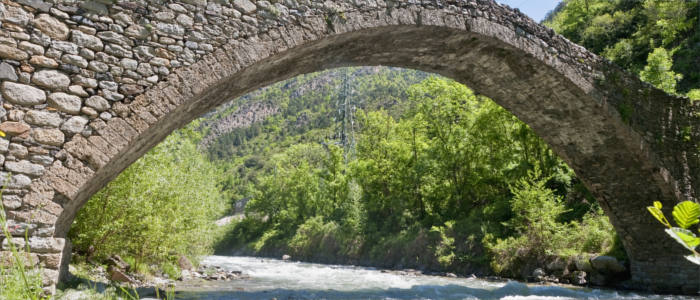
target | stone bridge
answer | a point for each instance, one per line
(90, 86)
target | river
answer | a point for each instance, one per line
(277, 279)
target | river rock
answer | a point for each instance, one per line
(22, 94)
(577, 277)
(51, 27)
(286, 257)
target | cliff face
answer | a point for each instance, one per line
(246, 115)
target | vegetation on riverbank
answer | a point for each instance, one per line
(159, 208)
(426, 189)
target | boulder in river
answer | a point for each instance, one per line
(607, 265)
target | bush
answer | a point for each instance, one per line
(538, 234)
(161, 206)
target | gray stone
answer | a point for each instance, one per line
(113, 96)
(11, 202)
(17, 181)
(22, 94)
(137, 31)
(4, 144)
(32, 48)
(66, 47)
(75, 60)
(185, 20)
(98, 66)
(109, 85)
(164, 15)
(98, 103)
(129, 64)
(51, 79)
(113, 37)
(39, 245)
(43, 160)
(244, 6)
(18, 151)
(7, 72)
(39, 5)
(168, 28)
(43, 118)
(16, 15)
(105, 116)
(24, 167)
(86, 40)
(51, 27)
(78, 90)
(118, 51)
(52, 136)
(74, 125)
(85, 82)
(65, 102)
(94, 6)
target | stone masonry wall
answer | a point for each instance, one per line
(87, 87)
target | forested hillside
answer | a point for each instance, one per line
(660, 40)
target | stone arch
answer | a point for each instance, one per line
(630, 143)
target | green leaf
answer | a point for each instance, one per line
(686, 214)
(684, 237)
(658, 214)
(658, 205)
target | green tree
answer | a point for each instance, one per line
(658, 71)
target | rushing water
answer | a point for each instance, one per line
(276, 279)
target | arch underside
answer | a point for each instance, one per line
(568, 96)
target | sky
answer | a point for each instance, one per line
(535, 9)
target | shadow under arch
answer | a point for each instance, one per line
(547, 82)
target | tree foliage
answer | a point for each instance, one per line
(160, 207)
(423, 188)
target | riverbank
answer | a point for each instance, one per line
(586, 270)
(276, 278)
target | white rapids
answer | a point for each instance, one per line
(277, 279)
